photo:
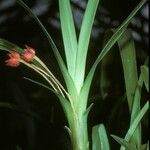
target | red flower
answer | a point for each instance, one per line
(28, 54)
(14, 59)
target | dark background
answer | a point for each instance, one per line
(35, 120)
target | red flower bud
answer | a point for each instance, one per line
(28, 54)
(14, 59)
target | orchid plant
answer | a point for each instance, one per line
(74, 98)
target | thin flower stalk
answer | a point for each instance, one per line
(56, 85)
(52, 79)
(56, 81)
(43, 75)
(50, 73)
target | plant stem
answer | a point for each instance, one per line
(79, 133)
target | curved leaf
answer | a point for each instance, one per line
(8, 46)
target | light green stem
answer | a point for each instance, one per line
(79, 133)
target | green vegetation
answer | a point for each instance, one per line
(74, 99)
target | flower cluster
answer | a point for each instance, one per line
(14, 57)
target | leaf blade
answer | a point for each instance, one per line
(108, 46)
(8, 46)
(83, 42)
(127, 145)
(128, 57)
(135, 123)
(99, 138)
(69, 34)
(145, 74)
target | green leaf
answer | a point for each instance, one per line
(135, 110)
(135, 123)
(145, 75)
(66, 107)
(127, 145)
(148, 145)
(107, 79)
(99, 138)
(69, 34)
(95, 138)
(116, 36)
(83, 42)
(128, 57)
(86, 113)
(68, 130)
(8, 46)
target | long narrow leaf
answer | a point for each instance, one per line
(125, 142)
(8, 46)
(148, 145)
(108, 46)
(136, 138)
(106, 79)
(99, 138)
(95, 138)
(83, 42)
(135, 123)
(145, 74)
(128, 57)
(69, 35)
(135, 110)
(127, 145)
